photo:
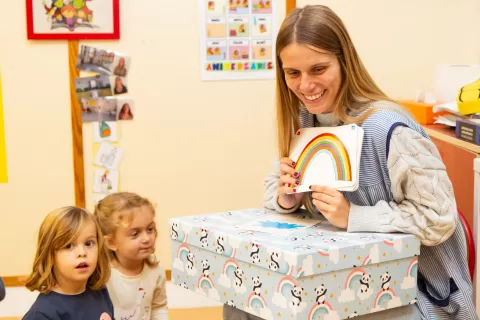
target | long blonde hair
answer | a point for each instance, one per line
(318, 26)
(59, 228)
(116, 210)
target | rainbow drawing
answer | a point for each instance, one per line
(353, 277)
(230, 267)
(290, 270)
(234, 252)
(286, 283)
(255, 301)
(388, 241)
(300, 272)
(382, 296)
(183, 250)
(319, 310)
(205, 282)
(324, 252)
(412, 268)
(366, 261)
(333, 146)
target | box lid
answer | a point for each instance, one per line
(291, 244)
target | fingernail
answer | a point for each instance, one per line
(296, 174)
(293, 163)
(294, 190)
(297, 182)
(310, 187)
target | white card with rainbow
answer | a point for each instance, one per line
(328, 156)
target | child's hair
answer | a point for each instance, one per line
(59, 228)
(116, 210)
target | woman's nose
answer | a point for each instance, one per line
(306, 83)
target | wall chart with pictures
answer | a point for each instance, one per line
(238, 39)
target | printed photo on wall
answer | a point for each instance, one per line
(95, 60)
(125, 109)
(99, 109)
(105, 180)
(92, 87)
(262, 6)
(105, 131)
(119, 85)
(108, 156)
(121, 65)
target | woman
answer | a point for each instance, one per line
(403, 185)
(125, 112)
(120, 69)
(119, 88)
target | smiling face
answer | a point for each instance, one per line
(313, 75)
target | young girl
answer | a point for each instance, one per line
(70, 269)
(137, 285)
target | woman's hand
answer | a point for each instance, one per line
(332, 204)
(286, 195)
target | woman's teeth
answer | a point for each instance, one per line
(315, 97)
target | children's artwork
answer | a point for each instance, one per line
(238, 26)
(73, 19)
(238, 6)
(105, 181)
(237, 42)
(215, 7)
(92, 88)
(3, 149)
(239, 50)
(262, 26)
(99, 109)
(105, 131)
(278, 224)
(103, 61)
(119, 85)
(108, 156)
(262, 6)
(216, 50)
(328, 156)
(216, 28)
(125, 109)
(262, 49)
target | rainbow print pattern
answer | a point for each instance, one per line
(334, 147)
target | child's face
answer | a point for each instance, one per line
(137, 241)
(76, 262)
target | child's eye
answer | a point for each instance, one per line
(317, 70)
(90, 243)
(69, 246)
(151, 229)
(292, 73)
(134, 233)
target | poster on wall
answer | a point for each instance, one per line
(72, 19)
(237, 39)
(3, 150)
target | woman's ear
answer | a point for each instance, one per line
(110, 243)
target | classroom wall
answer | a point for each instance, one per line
(195, 147)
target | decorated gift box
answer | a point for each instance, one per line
(280, 266)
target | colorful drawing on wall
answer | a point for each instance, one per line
(73, 19)
(237, 43)
(105, 181)
(327, 156)
(3, 149)
(105, 131)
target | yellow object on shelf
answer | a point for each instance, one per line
(468, 98)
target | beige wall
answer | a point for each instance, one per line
(194, 147)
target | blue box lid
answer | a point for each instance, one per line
(290, 244)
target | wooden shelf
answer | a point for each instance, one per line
(447, 134)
